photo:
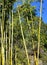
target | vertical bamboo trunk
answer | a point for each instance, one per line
(4, 48)
(4, 31)
(12, 40)
(6, 45)
(0, 44)
(9, 40)
(23, 39)
(0, 56)
(4, 35)
(39, 29)
(2, 39)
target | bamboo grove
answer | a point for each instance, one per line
(8, 54)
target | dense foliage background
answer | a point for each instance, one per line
(30, 27)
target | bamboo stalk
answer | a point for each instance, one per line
(2, 42)
(4, 32)
(12, 41)
(39, 28)
(23, 39)
(9, 39)
(0, 47)
(2, 39)
(6, 45)
(0, 56)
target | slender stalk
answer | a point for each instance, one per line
(4, 35)
(4, 48)
(39, 28)
(0, 47)
(9, 39)
(2, 42)
(12, 41)
(2, 39)
(0, 56)
(23, 39)
(6, 45)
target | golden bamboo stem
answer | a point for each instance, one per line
(9, 39)
(12, 41)
(2, 39)
(6, 45)
(39, 29)
(2, 43)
